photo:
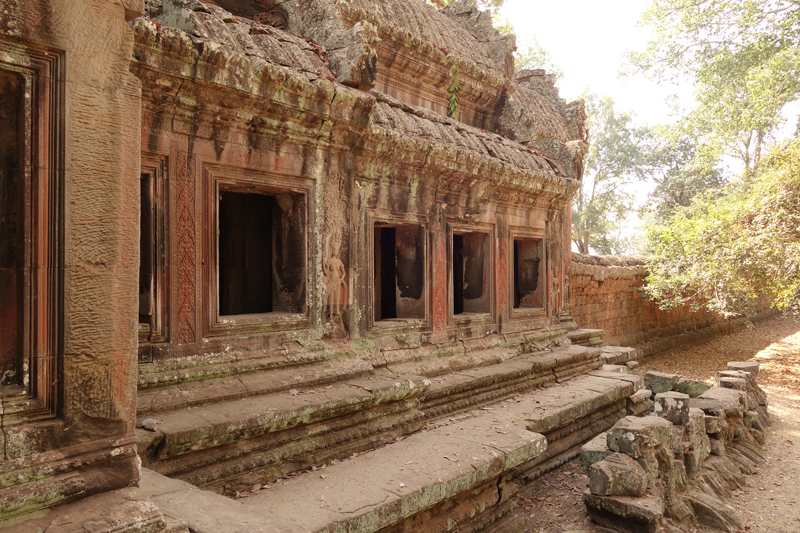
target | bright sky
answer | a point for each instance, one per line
(588, 39)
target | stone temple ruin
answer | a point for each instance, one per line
(243, 239)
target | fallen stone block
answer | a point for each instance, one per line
(696, 428)
(660, 382)
(640, 402)
(618, 369)
(632, 364)
(751, 367)
(680, 445)
(714, 513)
(715, 424)
(617, 475)
(593, 451)
(617, 355)
(734, 402)
(682, 514)
(692, 387)
(634, 436)
(649, 464)
(625, 514)
(754, 391)
(672, 406)
(717, 447)
(733, 383)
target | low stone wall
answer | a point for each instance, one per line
(606, 294)
(674, 464)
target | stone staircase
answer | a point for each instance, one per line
(457, 474)
(226, 427)
(418, 442)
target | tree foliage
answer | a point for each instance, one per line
(615, 159)
(532, 55)
(681, 169)
(743, 57)
(722, 253)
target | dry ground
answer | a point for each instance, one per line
(771, 501)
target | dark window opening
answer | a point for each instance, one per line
(528, 263)
(399, 268)
(261, 253)
(147, 256)
(470, 272)
(153, 296)
(458, 274)
(13, 254)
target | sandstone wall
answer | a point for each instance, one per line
(606, 294)
(69, 432)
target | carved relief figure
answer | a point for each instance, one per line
(334, 274)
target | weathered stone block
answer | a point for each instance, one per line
(733, 383)
(639, 402)
(696, 428)
(634, 436)
(625, 514)
(751, 367)
(649, 464)
(734, 402)
(619, 369)
(660, 382)
(717, 447)
(617, 475)
(692, 387)
(750, 417)
(672, 406)
(756, 394)
(632, 364)
(713, 512)
(715, 424)
(679, 444)
(593, 451)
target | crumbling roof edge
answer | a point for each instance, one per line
(431, 50)
(185, 59)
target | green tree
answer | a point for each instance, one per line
(723, 253)
(532, 55)
(743, 57)
(603, 203)
(681, 168)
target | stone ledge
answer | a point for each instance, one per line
(371, 491)
(119, 511)
(235, 444)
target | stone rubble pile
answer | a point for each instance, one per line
(682, 449)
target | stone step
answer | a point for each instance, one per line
(463, 390)
(444, 476)
(229, 445)
(198, 380)
(224, 446)
(458, 472)
(123, 510)
(587, 337)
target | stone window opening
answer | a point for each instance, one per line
(153, 297)
(470, 271)
(261, 263)
(528, 274)
(14, 258)
(399, 272)
(31, 224)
